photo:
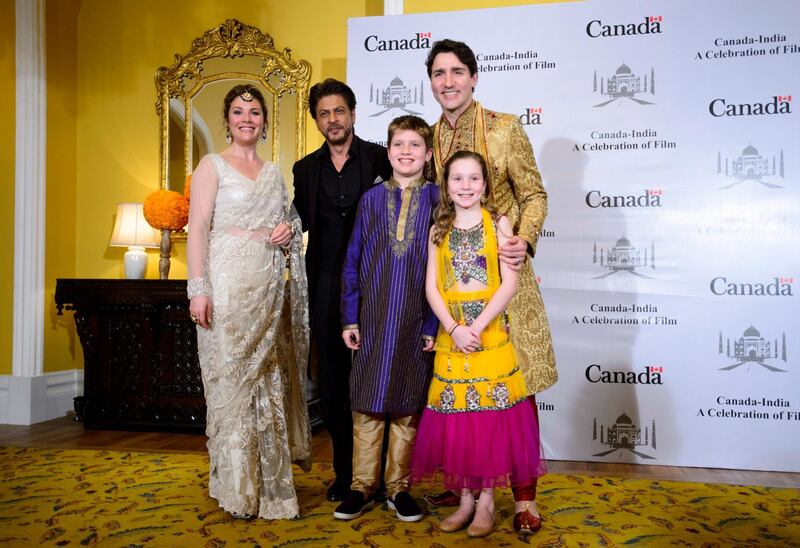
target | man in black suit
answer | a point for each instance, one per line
(328, 184)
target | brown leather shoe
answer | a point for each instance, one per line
(526, 523)
(448, 498)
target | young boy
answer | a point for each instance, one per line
(387, 321)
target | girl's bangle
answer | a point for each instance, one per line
(450, 333)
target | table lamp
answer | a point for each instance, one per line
(132, 231)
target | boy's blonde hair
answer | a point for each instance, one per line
(421, 128)
(413, 123)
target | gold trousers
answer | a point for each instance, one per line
(368, 432)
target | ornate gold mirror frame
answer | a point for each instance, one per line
(237, 52)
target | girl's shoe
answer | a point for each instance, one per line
(480, 532)
(451, 524)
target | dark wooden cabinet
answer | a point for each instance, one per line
(140, 354)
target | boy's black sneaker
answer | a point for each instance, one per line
(353, 506)
(405, 507)
(381, 495)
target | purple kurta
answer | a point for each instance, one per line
(383, 292)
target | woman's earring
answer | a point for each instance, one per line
(228, 137)
(264, 134)
(483, 199)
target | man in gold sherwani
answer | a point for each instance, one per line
(516, 188)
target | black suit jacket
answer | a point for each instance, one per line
(375, 168)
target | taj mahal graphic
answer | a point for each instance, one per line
(396, 96)
(751, 166)
(752, 348)
(624, 435)
(624, 257)
(624, 84)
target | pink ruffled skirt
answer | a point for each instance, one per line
(479, 449)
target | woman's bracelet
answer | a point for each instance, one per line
(196, 287)
(450, 332)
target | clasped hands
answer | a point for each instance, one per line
(467, 338)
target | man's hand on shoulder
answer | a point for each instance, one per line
(513, 252)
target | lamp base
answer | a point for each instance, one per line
(135, 263)
(166, 250)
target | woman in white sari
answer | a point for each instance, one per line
(249, 298)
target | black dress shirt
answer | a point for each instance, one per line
(338, 196)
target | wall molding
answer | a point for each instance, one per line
(393, 7)
(28, 400)
(27, 356)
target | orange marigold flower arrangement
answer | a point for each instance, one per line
(166, 210)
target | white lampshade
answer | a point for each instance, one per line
(132, 231)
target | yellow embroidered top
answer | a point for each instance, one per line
(488, 379)
(464, 254)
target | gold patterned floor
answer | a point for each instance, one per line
(83, 498)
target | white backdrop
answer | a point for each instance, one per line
(669, 143)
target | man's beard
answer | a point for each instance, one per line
(338, 141)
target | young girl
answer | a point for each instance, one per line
(478, 429)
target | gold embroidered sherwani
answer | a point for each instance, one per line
(517, 190)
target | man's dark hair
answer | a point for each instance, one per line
(327, 87)
(460, 49)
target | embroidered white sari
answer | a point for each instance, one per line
(254, 356)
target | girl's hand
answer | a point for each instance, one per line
(200, 310)
(352, 338)
(427, 344)
(281, 235)
(467, 339)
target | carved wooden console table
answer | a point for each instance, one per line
(140, 354)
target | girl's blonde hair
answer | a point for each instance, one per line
(445, 213)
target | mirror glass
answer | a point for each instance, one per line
(192, 90)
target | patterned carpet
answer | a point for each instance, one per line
(83, 498)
